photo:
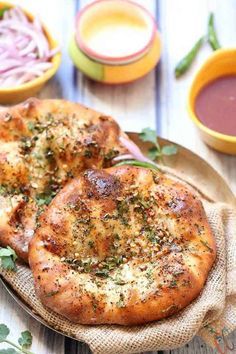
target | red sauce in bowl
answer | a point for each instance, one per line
(215, 105)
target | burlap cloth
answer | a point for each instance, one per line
(212, 315)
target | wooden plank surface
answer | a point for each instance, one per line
(182, 23)
(156, 100)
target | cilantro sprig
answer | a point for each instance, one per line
(24, 341)
(8, 258)
(156, 151)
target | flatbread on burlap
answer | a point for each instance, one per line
(212, 315)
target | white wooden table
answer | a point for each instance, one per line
(157, 100)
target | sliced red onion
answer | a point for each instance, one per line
(37, 23)
(41, 66)
(3, 55)
(28, 49)
(134, 150)
(20, 14)
(9, 64)
(21, 70)
(123, 157)
(25, 78)
(24, 49)
(32, 55)
(40, 41)
(9, 81)
(22, 42)
(53, 52)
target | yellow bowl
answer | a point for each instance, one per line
(20, 93)
(221, 63)
(116, 74)
(103, 64)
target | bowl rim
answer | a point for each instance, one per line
(92, 53)
(190, 106)
(56, 59)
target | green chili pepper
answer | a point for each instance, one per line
(212, 37)
(138, 163)
(3, 10)
(185, 63)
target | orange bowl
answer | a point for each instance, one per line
(221, 63)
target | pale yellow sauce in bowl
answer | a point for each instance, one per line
(114, 30)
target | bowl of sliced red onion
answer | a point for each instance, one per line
(29, 56)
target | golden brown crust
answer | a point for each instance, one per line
(123, 245)
(45, 143)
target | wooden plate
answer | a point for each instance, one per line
(187, 164)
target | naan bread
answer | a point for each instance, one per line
(45, 143)
(123, 245)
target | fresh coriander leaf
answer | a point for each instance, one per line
(45, 198)
(156, 152)
(8, 258)
(169, 150)
(51, 293)
(25, 339)
(3, 190)
(42, 200)
(153, 153)
(9, 351)
(206, 245)
(6, 252)
(31, 126)
(14, 255)
(4, 332)
(148, 134)
(102, 273)
(7, 263)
